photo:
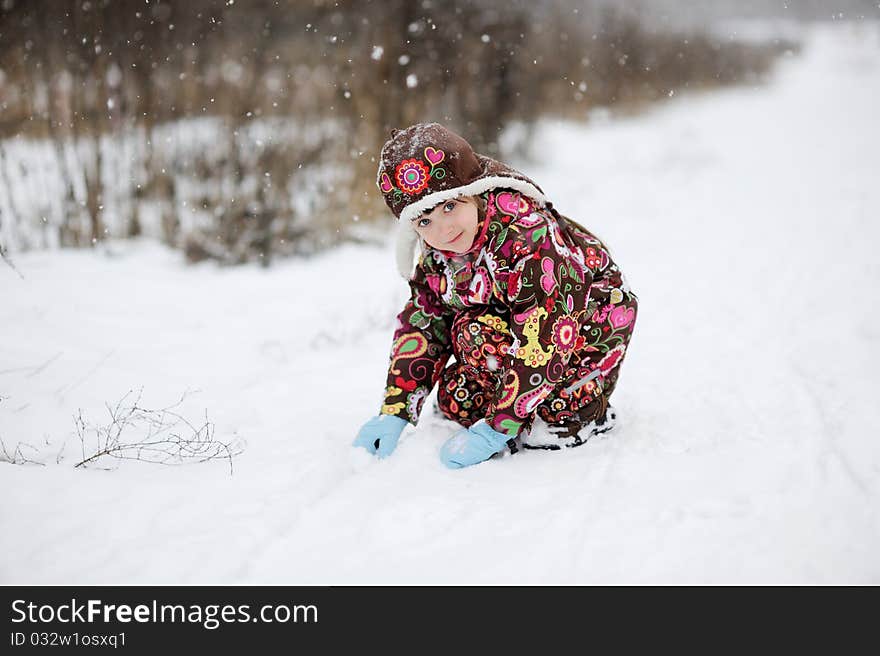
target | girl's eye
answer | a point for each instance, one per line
(424, 223)
(449, 206)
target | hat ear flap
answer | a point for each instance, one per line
(405, 249)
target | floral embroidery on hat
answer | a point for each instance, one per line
(412, 176)
(387, 187)
(434, 156)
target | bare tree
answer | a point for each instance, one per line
(327, 79)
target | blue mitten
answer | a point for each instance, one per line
(380, 434)
(472, 445)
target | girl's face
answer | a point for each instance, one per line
(451, 226)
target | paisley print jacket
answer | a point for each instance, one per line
(540, 276)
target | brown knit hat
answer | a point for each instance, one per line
(426, 164)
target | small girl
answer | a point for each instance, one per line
(529, 303)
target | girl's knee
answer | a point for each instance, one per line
(462, 394)
(480, 340)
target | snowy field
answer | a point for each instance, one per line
(747, 451)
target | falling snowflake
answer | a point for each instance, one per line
(376, 55)
(412, 80)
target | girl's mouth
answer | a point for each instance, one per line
(452, 241)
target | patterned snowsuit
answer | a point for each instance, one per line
(536, 314)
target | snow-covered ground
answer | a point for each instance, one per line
(748, 451)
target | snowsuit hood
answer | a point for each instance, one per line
(426, 164)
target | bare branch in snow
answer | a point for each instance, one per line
(16, 456)
(160, 436)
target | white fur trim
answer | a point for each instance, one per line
(406, 241)
(474, 188)
(407, 238)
